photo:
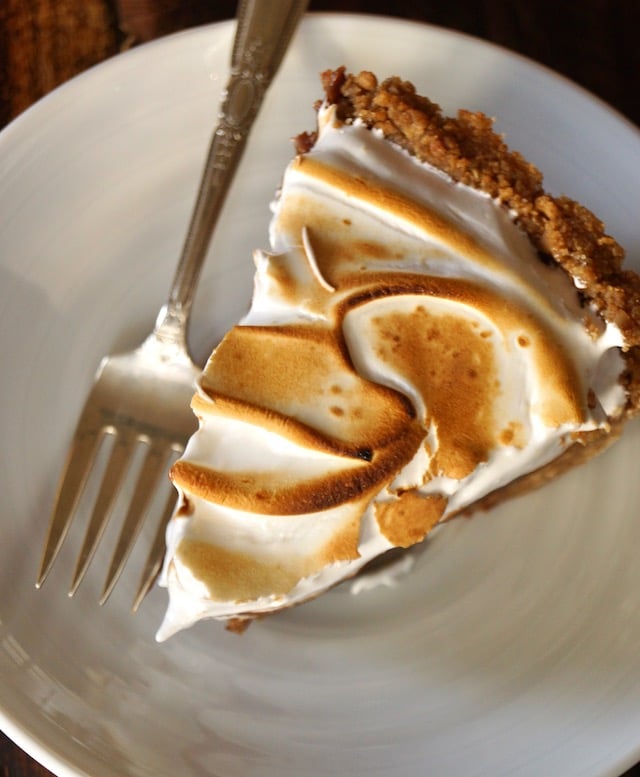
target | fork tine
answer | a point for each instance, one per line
(71, 485)
(154, 465)
(153, 564)
(123, 447)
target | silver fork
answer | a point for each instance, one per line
(142, 397)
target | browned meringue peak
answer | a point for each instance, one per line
(286, 493)
(302, 372)
(232, 575)
(421, 343)
(294, 281)
(408, 519)
(347, 213)
(300, 381)
(321, 220)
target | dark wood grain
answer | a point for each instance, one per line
(45, 42)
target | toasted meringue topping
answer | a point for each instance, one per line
(406, 354)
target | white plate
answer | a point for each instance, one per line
(514, 648)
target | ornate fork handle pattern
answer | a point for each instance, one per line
(264, 31)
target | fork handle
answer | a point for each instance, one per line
(264, 29)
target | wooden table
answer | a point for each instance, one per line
(45, 42)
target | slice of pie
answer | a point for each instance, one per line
(430, 333)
